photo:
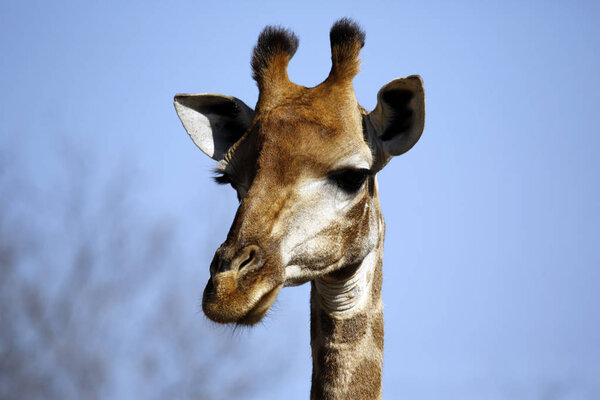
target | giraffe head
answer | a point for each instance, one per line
(303, 164)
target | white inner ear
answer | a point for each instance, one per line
(213, 121)
(198, 126)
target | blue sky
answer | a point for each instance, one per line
(491, 268)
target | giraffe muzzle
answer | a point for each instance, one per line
(242, 285)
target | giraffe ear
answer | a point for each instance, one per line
(396, 123)
(213, 121)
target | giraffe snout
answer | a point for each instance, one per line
(243, 285)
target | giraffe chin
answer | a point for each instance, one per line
(261, 308)
(227, 307)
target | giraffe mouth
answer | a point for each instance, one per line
(225, 302)
(261, 308)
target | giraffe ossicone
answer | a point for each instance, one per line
(304, 165)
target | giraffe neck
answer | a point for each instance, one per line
(347, 331)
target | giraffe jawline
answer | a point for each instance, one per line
(261, 308)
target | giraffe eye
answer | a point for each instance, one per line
(350, 180)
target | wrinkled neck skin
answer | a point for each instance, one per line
(347, 330)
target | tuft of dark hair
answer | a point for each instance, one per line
(345, 31)
(273, 40)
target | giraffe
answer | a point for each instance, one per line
(304, 165)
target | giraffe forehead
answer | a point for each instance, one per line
(295, 136)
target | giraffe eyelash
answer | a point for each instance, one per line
(220, 177)
(221, 180)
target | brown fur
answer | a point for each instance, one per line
(377, 330)
(366, 381)
(348, 349)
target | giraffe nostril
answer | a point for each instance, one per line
(248, 257)
(247, 260)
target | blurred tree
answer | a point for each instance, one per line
(96, 301)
